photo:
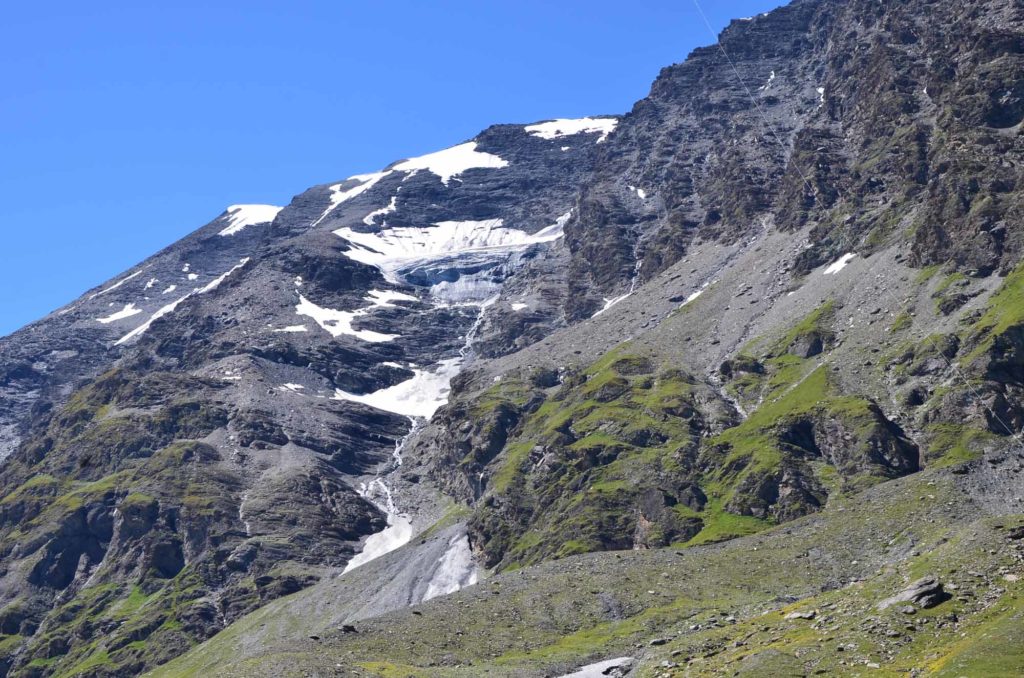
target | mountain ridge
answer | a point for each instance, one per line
(564, 356)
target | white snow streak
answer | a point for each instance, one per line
(451, 162)
(293, 329)
(240, 216)
(416, 397)
(839, 264)
(388, 209)
(127, 312)
(214, 284)
(608, 303)
(563, 127)
(339, 195)
(169, 308)
(141, 329)
(115, 285)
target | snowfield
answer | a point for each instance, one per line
(451, 162)
(419, 396)
(564, 127)
(240, 216)
(338, 323)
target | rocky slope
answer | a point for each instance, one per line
(649, 380)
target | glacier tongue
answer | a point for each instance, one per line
(391, 248)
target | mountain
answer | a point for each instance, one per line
(730, 383)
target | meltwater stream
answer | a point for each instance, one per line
(456, 568)
(399, 529)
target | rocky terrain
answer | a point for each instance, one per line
(730, 384)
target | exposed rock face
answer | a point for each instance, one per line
(789, 274)
(833, 115)
(214, 460)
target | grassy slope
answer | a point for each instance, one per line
(558, 615)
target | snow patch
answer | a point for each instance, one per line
(771, 79)
(240, 216)
(170, 289)
(291, 329)
(456, 569)
(608, 303)
(193, 276)
(391, 207)
(398, 532)
(385, 298)
(839, 264)
(149, 285)
(419, 396)
(519, 306)
(693, 297)
(601, 669)
(451, 162)
(127, 312)
(640, 193)
(337, 323)
(340, 195)
(563, 127)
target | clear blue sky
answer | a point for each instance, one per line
(126, 125)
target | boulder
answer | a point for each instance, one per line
(926, 592)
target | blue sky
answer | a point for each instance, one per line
(126, 125)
